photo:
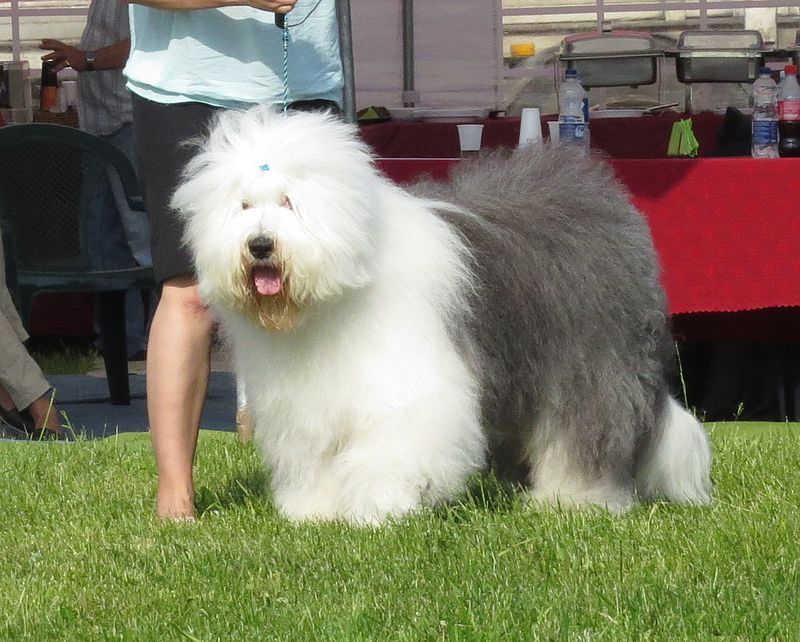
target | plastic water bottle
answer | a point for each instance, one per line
(765, 116)
(789, 114)
(573, 111)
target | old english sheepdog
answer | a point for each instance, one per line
(394, 343)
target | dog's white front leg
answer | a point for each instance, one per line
(409, 459)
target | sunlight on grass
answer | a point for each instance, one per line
(65, 359)
(84, 559)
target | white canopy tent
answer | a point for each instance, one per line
(434, 54)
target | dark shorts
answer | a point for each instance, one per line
(159, 133)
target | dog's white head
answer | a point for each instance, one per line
(277, 210)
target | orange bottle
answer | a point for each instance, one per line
(48, 100)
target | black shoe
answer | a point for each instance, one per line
(45, 434)
(20, 425)
(9, 432)
(15, 419)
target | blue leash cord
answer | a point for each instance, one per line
(285, 38)
(280, 22)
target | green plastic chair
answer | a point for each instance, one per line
(48, 174)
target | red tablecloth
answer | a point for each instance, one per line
(727, 231)
(643, 137)
(63, 315)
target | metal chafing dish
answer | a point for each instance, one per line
(795, 49)
(612, 59)
(719, 56)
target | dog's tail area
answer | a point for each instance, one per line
(676, 463)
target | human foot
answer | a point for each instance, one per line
(45, 416)
(175, 507)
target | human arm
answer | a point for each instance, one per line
(276, 6)
(112, 56)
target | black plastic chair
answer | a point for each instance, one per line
(48, 175)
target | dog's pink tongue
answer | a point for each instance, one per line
(267, 280)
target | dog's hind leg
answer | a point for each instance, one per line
(581, 452)
(560, 477)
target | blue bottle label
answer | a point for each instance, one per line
(765, 132)
(571, 130)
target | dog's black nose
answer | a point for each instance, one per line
(261, 247)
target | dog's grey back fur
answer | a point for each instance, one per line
(568, 325)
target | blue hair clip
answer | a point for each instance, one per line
(264, 167)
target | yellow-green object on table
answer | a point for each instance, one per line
(682, 141)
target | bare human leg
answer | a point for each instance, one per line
(178, 358)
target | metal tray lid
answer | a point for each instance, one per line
(720, 40)
(608, 44)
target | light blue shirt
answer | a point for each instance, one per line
(234, 56)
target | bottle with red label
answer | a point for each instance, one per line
(789, 113)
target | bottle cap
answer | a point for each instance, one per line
(571, 73)
(764, 70)
(791, 69)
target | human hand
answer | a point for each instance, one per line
(276, 6)
(64, 55)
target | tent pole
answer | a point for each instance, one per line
(410, 96)
(346, 52)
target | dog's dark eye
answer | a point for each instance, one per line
(245, 205)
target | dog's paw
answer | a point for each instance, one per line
(378, 504)
(305, 505)
(614, 501)
(359, 509)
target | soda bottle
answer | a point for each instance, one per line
(765, 116)
(789, 114)
(573, 111)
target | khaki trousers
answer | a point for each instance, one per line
(20, 375)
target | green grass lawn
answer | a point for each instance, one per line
(83, 559)
(63, 356)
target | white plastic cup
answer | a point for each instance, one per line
(19, 84)
(554, 133)
(530, 127)
(69, 89)
(17, 100)
(469, 139)
(61, 102)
